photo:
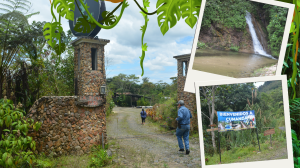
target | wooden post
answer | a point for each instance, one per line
(270, 131)
(219, 144)
(257, 138)
(271, 140)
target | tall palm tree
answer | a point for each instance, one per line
(14, 33)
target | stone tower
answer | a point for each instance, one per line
(89, 71)
(188, 98)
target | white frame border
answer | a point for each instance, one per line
(194, 75)
(269, 163)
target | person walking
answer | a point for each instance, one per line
(183, 127)
(143, 115)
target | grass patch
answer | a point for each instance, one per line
(97, 158)
(63, 161)
(250, 153)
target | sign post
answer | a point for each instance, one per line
(219, 143)
(270, 131)
(257, 139)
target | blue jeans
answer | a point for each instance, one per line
(183, 132)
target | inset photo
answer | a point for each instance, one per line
(244, 122)
(240, 39)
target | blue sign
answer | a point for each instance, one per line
(95, 9)
(228, 120)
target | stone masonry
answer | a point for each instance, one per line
(88, 81)
(188, 98)
(66, 128)
(72, 124)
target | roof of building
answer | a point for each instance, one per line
(133, 95)
(182, 56)
(96, 38)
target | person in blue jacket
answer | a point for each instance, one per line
(143, 115)
(183, 128)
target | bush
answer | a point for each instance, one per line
(234, 48)
(142, 102)
(109, 102)
(202, 45)
(16, 148)
(100, 157)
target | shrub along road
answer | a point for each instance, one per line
(136, 145)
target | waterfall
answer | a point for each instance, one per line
(258, 49)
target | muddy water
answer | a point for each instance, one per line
(232, 64)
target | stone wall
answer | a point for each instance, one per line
(67, 128)
(188, 98)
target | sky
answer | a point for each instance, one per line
(124, 48)
(257, 84)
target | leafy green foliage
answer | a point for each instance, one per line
(99, 157)
(143, 102)
(201, 45)
(296, 149)
(276, 27)
(130, 83)
(190, 10)
(169, 13)
(52, 33)
(109, 105)
(16, 148)
(58, 76)
(65, 8)
(146, 4)
(234, 48)
(228, 13)
(110, 19)
(83, 25)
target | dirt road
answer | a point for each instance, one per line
(146, 145)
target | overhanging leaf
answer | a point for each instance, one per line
(65, 8)
(167, 13)
(52, 33)
(190, 9)
(110, 20)
(62, 48)
(83, 26)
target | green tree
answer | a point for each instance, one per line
(15, 34)
(209, 99)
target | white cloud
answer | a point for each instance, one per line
(125, 39)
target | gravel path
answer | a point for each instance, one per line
(139, 145)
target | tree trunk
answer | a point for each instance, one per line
(213, 137)
(212, 114)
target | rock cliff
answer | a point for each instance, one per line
(219, 37)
